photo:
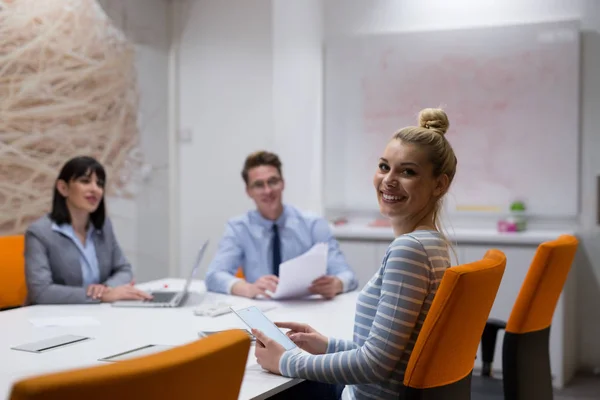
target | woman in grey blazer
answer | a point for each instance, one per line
(72, 254)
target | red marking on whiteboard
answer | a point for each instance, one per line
(526, 57)
(500, 106)
(384, 59)
(380, 223)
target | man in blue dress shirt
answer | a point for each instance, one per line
(261, 239)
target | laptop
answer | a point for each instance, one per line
(164, 298)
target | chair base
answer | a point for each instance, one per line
(458, 390)
(9, 308)
(525, 370)
(526, 365)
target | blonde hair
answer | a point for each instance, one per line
(430, 136)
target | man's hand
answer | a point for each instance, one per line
(260, 287)
(267, 282)
(327, 286)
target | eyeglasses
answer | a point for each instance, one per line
(261, 185)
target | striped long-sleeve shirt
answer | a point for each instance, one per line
(390, 312)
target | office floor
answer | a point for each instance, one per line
(582, 387)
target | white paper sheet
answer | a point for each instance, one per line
(43, 322)
(297, 274)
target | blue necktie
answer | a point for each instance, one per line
(276, 246)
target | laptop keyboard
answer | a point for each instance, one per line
(162, 297)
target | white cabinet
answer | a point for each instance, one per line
(365, 257)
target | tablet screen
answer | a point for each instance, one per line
(255, 319)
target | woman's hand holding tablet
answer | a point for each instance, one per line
(254, 318)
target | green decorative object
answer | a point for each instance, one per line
(517, 206)
(517, 211)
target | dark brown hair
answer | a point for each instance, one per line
(73, 169)
(259, 158)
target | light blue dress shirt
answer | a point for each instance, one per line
(247, 243)
(90, 272)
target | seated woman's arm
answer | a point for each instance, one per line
(336, 345)
(122, 273)
(391, 317)
(41, 289)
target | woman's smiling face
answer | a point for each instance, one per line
(404, 181)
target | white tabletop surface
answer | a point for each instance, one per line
(123, 329)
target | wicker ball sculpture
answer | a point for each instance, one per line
(67, 87)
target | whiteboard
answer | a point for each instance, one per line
(511, 94)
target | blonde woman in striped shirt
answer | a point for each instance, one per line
(412, 176)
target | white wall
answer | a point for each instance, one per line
(142, 223)
(297, 100)
(251, 78)
(226, 104)
(345, 17)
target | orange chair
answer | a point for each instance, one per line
(240, 273)
(526, 370)
(13, 289)
(209, 368)
(442, 360)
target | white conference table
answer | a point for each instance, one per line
(123, 329)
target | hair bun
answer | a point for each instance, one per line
(434, 119)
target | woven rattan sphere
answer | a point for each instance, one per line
(67, 88)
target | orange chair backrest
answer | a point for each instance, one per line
(447, 344)
(13, 288)
(240, 273)
(209, 368)
(536, 302)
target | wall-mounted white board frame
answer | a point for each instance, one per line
(512, 96)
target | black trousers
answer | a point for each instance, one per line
(311, 390)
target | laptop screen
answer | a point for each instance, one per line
(196, 266)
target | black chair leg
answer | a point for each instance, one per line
(9, 308)
(488, 345)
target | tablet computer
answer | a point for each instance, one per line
(51, 343)
(255, 319)
(137, 352)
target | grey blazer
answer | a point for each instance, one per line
(53, 269)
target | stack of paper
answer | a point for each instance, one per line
(296, 275)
